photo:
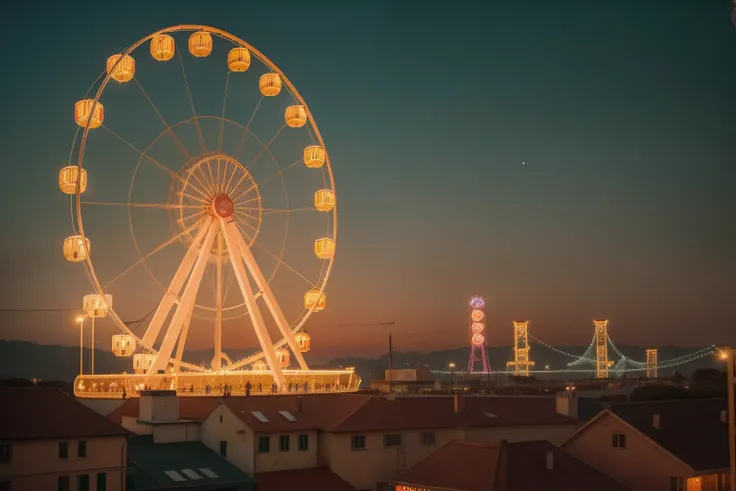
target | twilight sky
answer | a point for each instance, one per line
(566, 160)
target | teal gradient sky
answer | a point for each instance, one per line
(623, 113)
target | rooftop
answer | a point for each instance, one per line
(48, 413)
(354, 412)
(504, 466)
(690, 429)
(181, 465)
(190, 408)
(317, 478)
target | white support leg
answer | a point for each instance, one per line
(172, 294)
(270, 300)
(187, 301)
(231, 233)
(217, 359)
(183, 339)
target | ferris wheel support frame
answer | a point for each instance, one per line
(268, 296)
(171, 296)
(163, 356)
(230, 231)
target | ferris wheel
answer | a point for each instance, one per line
(203, 201)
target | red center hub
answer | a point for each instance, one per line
(223, 206)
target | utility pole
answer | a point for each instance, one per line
(390, 368)
(80, 319)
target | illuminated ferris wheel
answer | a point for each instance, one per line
(221, 197)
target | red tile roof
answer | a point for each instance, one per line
(358, 413)
(317, 478)
(311, 411)
(690, 429)
(458, 465)
(48, 413)
(194, 408)
(380, 413)
(518, 466)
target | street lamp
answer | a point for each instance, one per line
(80, 319)
(452, 377)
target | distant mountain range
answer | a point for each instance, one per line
(53, 362)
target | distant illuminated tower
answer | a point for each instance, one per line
(651, 363)
(602, 363)
(477, 337)
(521, 363)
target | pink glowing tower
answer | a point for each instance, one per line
(477, 337)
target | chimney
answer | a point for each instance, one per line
(566, 403)
(656, 422)
(550, 460)
(158, 405)
(724, 416)
(299, 404)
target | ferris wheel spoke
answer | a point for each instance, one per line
(174, 238)
(193, 215)
(238, 196)
(281, 261)
(205, 188)
(222, 117)
(269, 211)
(280, 171)
(164, 206)
(239, 146)
(241, 221)
(143, 154)
(191, 103)
(265, 147)
(169, 129)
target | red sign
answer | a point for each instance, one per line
(223, 206)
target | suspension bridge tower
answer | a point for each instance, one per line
(521, 363)
(477, 336)
(602, 363)
(651, 363)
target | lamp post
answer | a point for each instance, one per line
(80, 319)
(452, 377)
(729, 353)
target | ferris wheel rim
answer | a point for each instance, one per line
(89, 266)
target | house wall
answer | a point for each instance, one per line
(36, 464)
(223, 425)
(363, 469)
(276, 460)
(176, 432)
(131, 423)
(556, 433)
(642, 465)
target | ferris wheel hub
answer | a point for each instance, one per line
(223, 206)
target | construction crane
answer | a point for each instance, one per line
(368, 324)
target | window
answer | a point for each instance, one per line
(303, 443)
(264, 444)
(6, 453)
(284, 443)
(81, 448)
(101, 481)
(5, 486)
(391, 440)
(357, 442)
(221, 418)
(63, 450)
(618, 440)
(677, 484)
(63, 484)
(428, 438)
(83, 482)
(223, 448)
